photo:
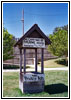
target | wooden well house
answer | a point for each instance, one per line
(34, 38)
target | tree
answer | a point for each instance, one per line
(65, 27)
(8, 43)
(59, 45)
(56, 29)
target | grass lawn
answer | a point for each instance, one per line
(52, 63)
(56, 85)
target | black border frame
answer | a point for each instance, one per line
(69, 50)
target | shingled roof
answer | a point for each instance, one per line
(30, 31)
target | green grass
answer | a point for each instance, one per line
(53, 63)
(56, 83)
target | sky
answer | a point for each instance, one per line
(47, 15)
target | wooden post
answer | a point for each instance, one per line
(35, 60)
(24, 60)
(20, 60)
(42, 60)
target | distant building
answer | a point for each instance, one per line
(30, 56)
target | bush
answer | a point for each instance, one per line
(6, 66)
(62, 62)
(10, 66)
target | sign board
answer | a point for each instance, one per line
(34, 42)
(29, 77)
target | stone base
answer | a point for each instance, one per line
(31, 86)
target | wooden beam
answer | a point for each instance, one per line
(20, 60)
(35, 60)
(24, 60)
(42, 60)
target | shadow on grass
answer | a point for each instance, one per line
(62, 62)
(56, 88)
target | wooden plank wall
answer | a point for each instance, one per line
(30, 55)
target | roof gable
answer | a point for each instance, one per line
(34, 32)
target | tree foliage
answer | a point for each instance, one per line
(59, 45)
(65, 27)
(8, 43)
